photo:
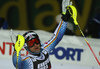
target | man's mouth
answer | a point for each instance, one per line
(36, 48)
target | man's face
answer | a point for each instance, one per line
(35, 48)
(34, 45)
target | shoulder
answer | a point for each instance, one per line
(45, 45)
(27, 63)
(25, 58)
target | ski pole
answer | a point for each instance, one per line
(18, 46)
(72, 10)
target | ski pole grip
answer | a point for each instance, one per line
(19, 43)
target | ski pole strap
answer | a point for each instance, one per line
(73, 12)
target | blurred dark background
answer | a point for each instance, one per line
(41, 15)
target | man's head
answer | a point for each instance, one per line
(32, 42)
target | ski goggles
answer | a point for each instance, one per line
(33, 41)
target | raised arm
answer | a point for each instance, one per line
(60, 30)
(57, 36)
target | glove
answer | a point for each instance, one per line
(65, 13)
(66, 17)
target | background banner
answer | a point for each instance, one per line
(71, 49)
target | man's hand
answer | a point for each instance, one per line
(65, 13)
(65, 3)
(69, 11)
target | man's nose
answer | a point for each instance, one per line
(35, 44)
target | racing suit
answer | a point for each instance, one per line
(42, 61)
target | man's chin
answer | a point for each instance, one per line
(37, 51)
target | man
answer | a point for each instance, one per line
(38, 57)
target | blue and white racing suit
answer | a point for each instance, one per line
(42, 61)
